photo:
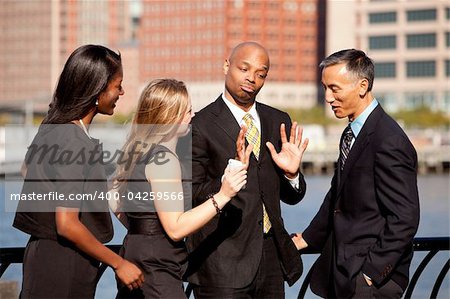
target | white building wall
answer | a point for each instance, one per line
(279, 95)
(348, 26)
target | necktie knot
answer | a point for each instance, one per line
(248, 119)
(348, 134)
(253, 137)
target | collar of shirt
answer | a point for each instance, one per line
(358, 123)
(239, 114)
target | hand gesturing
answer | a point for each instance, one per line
(242, 152)
(290, 156)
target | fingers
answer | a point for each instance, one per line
(299, 135)
(298, 140)
(239, 178)
(243, 153)
(237, 174)
(140, 280)
(137, 283)
(248, 152)
(133, 285)
(244, 130)
(283, 133)
(292, 137)
(240, 143)
(241, 184)
(130, 275)
(296, 239)
(271, 148)
(236, 179)
(304, 145)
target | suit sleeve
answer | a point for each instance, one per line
(291, 195)
(203, 184)
(288, 193)
(317, 232)
(396, 189)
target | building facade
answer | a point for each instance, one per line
(409, 42)
(189, 40)
(38, 36)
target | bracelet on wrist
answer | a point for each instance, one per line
(214, 202)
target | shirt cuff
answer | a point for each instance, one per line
(295, 182)
(367, 277)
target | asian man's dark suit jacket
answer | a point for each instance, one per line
(371, 213)
(227, 251)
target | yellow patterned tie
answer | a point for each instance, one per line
(253, 137)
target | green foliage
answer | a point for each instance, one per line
(315, 115)
(4, 119)
(116, 118)
(119, 118)
(422, 117)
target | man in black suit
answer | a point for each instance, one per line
(366, 224)
(245, 250)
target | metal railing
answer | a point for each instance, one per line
(10, 256)
(432, 245)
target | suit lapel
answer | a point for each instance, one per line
(224, 119)
(361, 142)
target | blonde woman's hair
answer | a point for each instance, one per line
(162, 106)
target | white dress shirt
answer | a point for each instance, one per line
(239, 114)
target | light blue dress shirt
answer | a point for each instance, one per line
(358, 123)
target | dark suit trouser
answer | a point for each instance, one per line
(53, 269)
(268, 283)
(390, 290)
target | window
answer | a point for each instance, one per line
(290, 6)
(421, 15)
(420, 68)
(447, 39)
(388, 101)
(427, 40)
(447, 68)
(419, 99)
(446, 102)
(383, 17)
(254, 4)
(382, 42)
(273, 5)
(385, 70)
(448, 13)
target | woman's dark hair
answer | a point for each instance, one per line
(86, 74)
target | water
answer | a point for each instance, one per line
(435, 210)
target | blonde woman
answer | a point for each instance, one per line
(154, 183)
